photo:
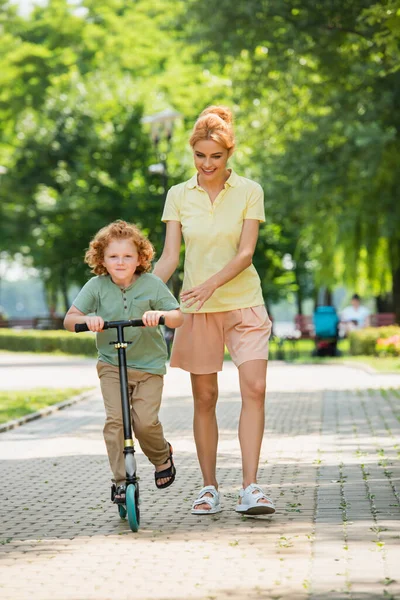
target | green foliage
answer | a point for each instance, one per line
(365, 340)
(73, 92)
(314, 88)
(72, 97)
(73, 163)
(47, 341)
(318, 83)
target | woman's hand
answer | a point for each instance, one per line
(94, 324)
(152, 317)
(198, 294)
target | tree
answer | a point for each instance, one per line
(75, 86)
(340, 149)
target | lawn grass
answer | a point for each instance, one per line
(301, 353)
(384, 364)
(16, 404)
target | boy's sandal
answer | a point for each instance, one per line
(120, 494)
(169, 472)
(250, 501)
(212, 501)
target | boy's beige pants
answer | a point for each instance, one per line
(145, 391)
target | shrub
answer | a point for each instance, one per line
(364, 341)
(388, 346)
(32, 340)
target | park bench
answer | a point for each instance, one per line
(33, 323)
(304, 325)
(16, 323)
(382, 319)
(48, 323)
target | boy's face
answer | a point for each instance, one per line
(121, 260)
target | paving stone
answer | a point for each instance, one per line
(337, 526)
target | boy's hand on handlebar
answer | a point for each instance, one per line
(152, 317)
(95, 324)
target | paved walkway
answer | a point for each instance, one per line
(330, 459)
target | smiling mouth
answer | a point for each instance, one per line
(208, 172)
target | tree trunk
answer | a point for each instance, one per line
(316, 296)
(64, 289)
(394, 249)
(384, 303)
(327, 297)
(396, 292)
(50, 295)
(299, 293)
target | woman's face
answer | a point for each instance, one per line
(210, 159)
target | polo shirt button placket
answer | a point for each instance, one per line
(124, 299)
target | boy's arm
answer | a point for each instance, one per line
(173, 318)
(74, 316)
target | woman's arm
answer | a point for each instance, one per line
(243, 259)
(169, 258)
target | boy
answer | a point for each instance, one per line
(120, 257)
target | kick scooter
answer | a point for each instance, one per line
(131, 505)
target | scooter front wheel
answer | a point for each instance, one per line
(122, 511)
(132, 506)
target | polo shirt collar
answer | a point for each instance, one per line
(232, 181)
(124, 289)
(192, 183)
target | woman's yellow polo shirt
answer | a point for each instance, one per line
(212, 233)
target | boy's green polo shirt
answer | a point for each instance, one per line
(148, 351)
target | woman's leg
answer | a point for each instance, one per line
(205, 428)
(252, 377)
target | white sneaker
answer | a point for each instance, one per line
(250, 501)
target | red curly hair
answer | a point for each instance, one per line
(119, 230)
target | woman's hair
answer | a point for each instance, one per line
(118, 230)
(214, 123)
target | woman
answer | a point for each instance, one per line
(218, 212)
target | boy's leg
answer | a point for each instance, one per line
(113, 429)
(146, 401)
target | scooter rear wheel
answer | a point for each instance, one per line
(132, 506)
(122, 511)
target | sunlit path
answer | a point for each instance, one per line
(329, 459)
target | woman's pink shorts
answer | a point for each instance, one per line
(200, 342)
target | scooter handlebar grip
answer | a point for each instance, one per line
(139, 322)
(81, 327)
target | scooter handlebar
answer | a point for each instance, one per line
(79, 327)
